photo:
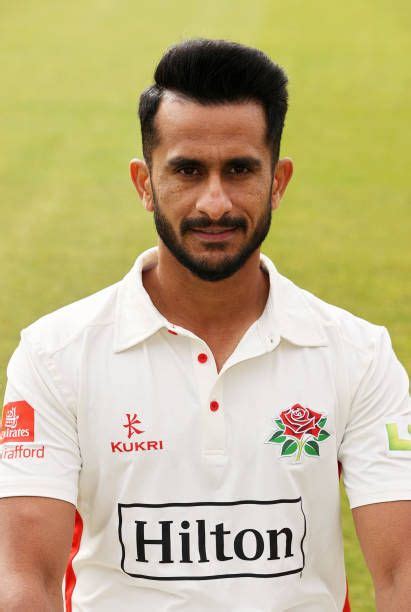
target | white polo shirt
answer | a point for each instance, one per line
(199, 490)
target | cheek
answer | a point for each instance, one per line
(253, 198)
(171, 192)
(174, 202)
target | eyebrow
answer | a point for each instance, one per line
(245, 160)
(174, 162)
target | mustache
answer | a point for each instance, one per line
(202, 222)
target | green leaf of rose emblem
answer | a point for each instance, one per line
(277, 437)
(311, 448)
(323, 435)
(289, 448)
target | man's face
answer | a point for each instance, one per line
(210, 185)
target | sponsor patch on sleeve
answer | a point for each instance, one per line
(17, 423)
(399, 436)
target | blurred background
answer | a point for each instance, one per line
(72, 224)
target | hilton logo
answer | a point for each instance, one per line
(205, 540)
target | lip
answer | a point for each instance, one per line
(215, 235)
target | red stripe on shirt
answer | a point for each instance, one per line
(70, 575)
(346, 607)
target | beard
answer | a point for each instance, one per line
(200, 265)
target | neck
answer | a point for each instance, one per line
(198, 305)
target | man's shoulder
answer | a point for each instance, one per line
(339, 323)
(55, 330)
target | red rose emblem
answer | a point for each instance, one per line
(299, 421)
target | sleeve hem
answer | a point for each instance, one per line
(379, 497)
(37, 490)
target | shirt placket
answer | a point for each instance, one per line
(210, 386)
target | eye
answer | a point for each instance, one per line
(239, 169)
(188, 170)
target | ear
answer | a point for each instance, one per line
(140, 176)
(282, 175)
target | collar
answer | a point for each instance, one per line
(287, 314)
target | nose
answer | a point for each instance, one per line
(214, 201)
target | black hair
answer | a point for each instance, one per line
(216, 72)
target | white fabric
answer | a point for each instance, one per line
(241, 527)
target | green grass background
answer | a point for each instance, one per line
(71, 222)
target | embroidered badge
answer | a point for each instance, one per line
(299, 429)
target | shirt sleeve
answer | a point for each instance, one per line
(39, 450)
(375, 452)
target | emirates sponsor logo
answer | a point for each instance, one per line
(17, 422)
(16, 433)
(11, 418)
(131, 425)
(22, 452)
(211, 540)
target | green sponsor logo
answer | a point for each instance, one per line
(395, 443)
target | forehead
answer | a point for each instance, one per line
(187, 127)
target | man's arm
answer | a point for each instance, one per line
(384, 532)
(36, 536)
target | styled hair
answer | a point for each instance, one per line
(212, 72)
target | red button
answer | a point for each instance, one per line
(171, 331)
(214, 405)
(202, 357)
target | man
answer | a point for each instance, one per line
(196, 413)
